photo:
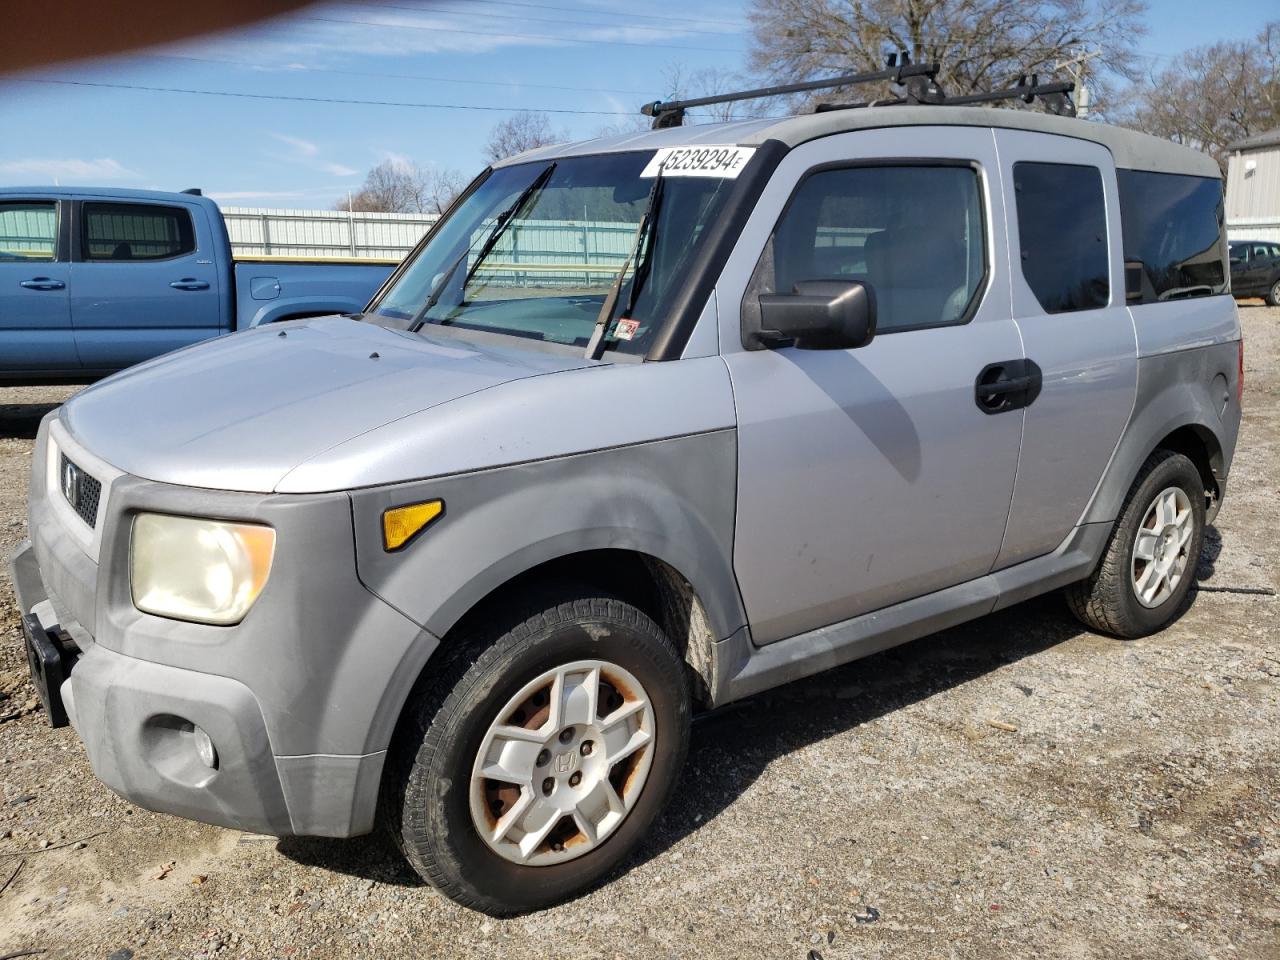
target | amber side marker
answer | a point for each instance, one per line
(402, 524)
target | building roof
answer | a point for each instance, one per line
(1132, 150)
(1259, 141)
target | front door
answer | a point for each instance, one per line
(35, 320)
(871, 476)
(144, 281)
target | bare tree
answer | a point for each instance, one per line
(395, 186)
(1214, 95)
(981, 44)
(521, 131)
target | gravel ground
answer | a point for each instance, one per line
(1016, 787)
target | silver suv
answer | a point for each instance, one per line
(644, 426)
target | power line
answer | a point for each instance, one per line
(594, 13)
(297, 99)
(389, 76)
(516, 36)
(656, 28)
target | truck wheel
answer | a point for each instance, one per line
(541, 755)
(1150, 560)
(1273, 295)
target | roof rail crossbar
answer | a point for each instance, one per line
(1027, 89)
(671, 113)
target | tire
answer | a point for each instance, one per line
(1108, 601)
(1273, 295)
(435, 801)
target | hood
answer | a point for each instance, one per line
(239, 412)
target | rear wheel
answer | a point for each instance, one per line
(1150, 561)
(539, 759)
(1273, 295)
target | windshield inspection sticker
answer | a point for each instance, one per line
(626, 329)
(708, 161)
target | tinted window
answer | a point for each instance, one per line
(28, 230)
(120, 231)
(1062, 232)
(1173, 235)
(913, 233)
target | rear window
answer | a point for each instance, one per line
(1174, 236)
(1062, 235)
(28, 230)
(121, 231)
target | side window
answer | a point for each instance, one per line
(1259, 252)
(1062, 234)
(123, 231)
(914, 234)
(1174, 232)
(28, 231)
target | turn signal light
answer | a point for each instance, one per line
(402, 524)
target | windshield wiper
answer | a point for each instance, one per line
(648, 228)
(499, 227)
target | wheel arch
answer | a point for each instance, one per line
(643, 579)
(1186, 403)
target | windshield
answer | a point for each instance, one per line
(555, 249)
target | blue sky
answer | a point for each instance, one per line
(607, 57)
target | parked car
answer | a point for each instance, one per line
(474, 559)
(96, 280)
(1255, 270)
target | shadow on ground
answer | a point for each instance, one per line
(22, 420)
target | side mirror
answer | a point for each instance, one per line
(819, 315)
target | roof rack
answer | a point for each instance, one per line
(671, 113)
(918, 79)
(1028, 89)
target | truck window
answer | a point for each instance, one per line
(914, 234)
(124, 231)
(1173, 226)
(1062, 235)
(28, 230)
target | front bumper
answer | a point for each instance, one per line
(299, 700)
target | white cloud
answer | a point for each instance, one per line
(304, 148)
(338, 170)
(103, 168)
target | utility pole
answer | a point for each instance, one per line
(1077, 66)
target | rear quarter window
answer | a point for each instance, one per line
(1174, 236)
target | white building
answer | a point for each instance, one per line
(1253, 188)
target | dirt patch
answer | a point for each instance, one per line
(1014, 787)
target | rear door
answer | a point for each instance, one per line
(1067, 275)
(144, 280)
(35, 319)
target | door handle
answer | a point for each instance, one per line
(42, 283)
(1007, 385)
(190, 283)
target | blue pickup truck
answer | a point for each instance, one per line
(94, 280)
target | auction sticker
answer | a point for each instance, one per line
(701, 161)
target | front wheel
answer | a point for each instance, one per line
(1273, 295)
(1150, 560)
(542, 756)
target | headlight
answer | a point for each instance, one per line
(207, 571)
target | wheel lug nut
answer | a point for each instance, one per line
(544, 758)
(575, 779)
(566, 734)
(587, 747)
(548, 785)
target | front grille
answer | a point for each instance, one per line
(81, 490)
